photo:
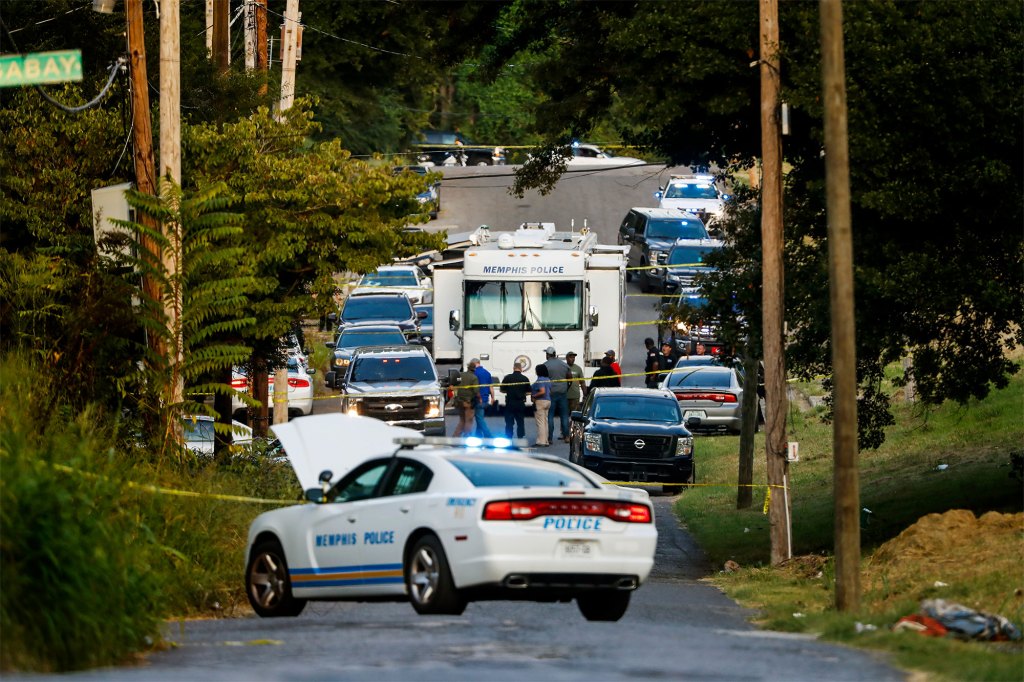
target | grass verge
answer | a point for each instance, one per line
(946, 458)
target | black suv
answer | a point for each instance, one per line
(633, 434)
(651, 232)
(390, 308)
(437, 146)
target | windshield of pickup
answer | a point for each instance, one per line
(353, 337)
(636, 408)
(389, 369)
(376, 308)
(676, 228)
(688, 255)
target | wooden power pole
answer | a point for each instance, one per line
(773, 284)
(840, 261)
(221, 37)
(289, 55)
(142, 145)
(170, 170)
(262, 63)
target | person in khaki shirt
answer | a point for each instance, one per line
(577, 385)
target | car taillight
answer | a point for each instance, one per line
(298, 383)
(239, 384)
(525, 510)
(713, 397)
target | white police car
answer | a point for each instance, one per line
(697, 194)
(396, 515)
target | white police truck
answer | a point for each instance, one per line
(513, 294)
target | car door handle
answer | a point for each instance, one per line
(405, 509)
(351, 519)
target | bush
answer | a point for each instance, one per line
(79, 588)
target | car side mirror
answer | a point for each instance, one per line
(315, 495)
(421, 314)
(454, 320)
(577, 416)
(453, 378)
(311, 371)
(658, 195)
(329, 344)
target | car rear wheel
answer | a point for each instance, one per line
(429, 580)
(603, 606)
(267, 583)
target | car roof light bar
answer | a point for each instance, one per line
(464, 443)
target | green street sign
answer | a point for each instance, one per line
(40, 67)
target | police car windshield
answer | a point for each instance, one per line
(634, 408)
(527, 474)
(688, 255)
(677, 228)
(690, 191)
(353, 337)
(387, 369)
(376, 308)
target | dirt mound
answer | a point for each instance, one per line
(954, 550)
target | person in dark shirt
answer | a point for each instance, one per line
(653, 363)
(669, 358)
(605, 376)
(515, 386)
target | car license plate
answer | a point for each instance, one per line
(700, 414)
(577, 549)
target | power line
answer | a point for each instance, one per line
(44, 21)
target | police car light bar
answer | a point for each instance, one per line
(466, 443)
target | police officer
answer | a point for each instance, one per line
(515, 386)
(652, 364)
(558, 371)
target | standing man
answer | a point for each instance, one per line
(466, 397)
(515, 386)
(668, 359)
(610, 354)
(605, 376)
(577, 386)
(652, 364)
(558, 371)
(486, 398)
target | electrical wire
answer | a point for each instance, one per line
(44, 21)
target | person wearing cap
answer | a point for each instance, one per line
(653, 363)
(484, 381)
(558, 370)
(577, 387)
(669, 358)
(610, 354)
(515, 386)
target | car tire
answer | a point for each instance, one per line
(676, 488)
(267, 583)
(603, 606)
(428, 580)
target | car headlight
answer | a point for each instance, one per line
(341, 363)
(433, 407)
(684, 445)
(656, 256)
(427, 338)
(592, 441)
(351, 406)
(673, 278)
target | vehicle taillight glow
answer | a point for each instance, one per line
(239, 384)
(298, 383)
(713, 397)
(525, 510)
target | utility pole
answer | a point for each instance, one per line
(289, 55)
(221, 37)
(840, 261)
(249, 33)
(262, 62)
(209, 29)
(142, 144)
(773, 284)
(170, 171)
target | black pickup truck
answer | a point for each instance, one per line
(452, 149)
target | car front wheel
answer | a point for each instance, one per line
(603, 606)
(429, 580)
(267, 583)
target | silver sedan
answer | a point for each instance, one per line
(710, 394)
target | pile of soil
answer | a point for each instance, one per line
(979, 561)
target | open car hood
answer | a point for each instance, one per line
(335, 441)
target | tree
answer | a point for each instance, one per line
(310, 211)
(935, 146)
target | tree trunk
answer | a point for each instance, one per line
(745, 478)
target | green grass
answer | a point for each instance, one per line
(900, 482)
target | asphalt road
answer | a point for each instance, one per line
(677, 627)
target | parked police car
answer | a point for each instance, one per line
(399, 516)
